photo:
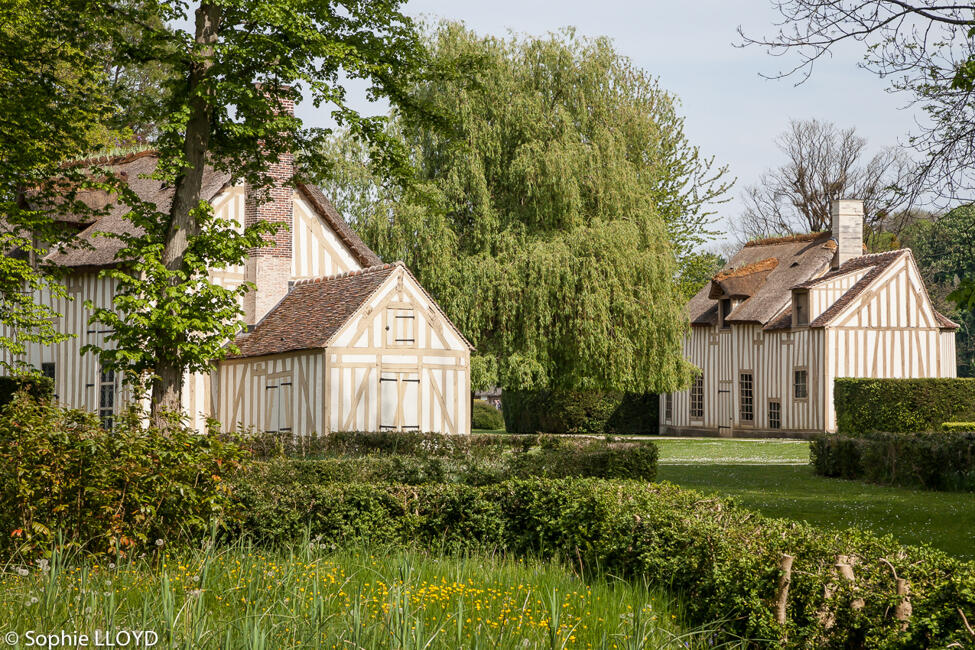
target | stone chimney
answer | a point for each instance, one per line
(847, 226)
(269, 268)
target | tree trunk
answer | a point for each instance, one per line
(167, 385)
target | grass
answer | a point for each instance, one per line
(775, 478)
(311, 598)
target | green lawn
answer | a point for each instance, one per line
(774, 477)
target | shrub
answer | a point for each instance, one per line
(36, 386)
(66, 480)
(902, 405)
(723, 559)
(933, 461)
(959, 426)
(587, 412)
(485, 416)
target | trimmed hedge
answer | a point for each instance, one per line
(596, 459)
(933, 461)
(588, 412)
(361, 443)
(485, 416)
(723, 560)
(901, 405)
(959, 426)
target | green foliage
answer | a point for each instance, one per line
(722, 559)
(485, 416)
(70, 483)
(901, 405)
(35, 386)
(54, 98)
(959, 426)
(945, 252)
(593, 412)
(553, 219)
(933, 461)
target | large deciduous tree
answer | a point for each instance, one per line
(553, 219)
(822, 163)
(225, 81)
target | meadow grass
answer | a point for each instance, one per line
(760, 476)
(243, 598)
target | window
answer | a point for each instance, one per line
(106, 397)
(279, 403)
(774, 414)
(48, 370)
(801, 303)
(697, 397)
(669, 407)
(745, 395)
(725, 312)
(400, 327)
(800, 384)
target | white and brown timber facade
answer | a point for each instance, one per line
(336, 340)
(787, 316)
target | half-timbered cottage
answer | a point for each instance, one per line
(787, 316)
(335, 340)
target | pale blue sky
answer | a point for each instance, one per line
(732, 112)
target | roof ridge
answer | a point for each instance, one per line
(787, 239)
(112, 159)
(349, 274)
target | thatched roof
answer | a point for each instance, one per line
(766, 271)
(772, 267)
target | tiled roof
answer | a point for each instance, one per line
(312, 312)
(95, 251)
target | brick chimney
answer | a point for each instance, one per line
(847, 226)
(269, 268)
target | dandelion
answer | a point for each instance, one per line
(159, 543)
(22, 572)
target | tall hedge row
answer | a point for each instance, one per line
(932, 461)
(724, 560)
(902, 405)
(592, 412)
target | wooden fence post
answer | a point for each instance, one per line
(845, 569)
(782, 591)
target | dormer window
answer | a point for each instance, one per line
(800, 308)
(725, 312)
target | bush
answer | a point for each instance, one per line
(358, 443)
(36, 386)
(69, 482)
(901, 405)
(587, 412)
(959, 426)
(723, 560)
(933, 461)
(485, 416)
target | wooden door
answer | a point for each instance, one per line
(399, 401)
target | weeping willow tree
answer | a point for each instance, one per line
(552, 217)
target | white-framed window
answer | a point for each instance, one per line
(746, 396)
(106, 397)
(800, 383)
(669, 407)
(697, 398)
(725, 312)
(774, 414)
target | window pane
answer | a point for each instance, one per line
(745, 396)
